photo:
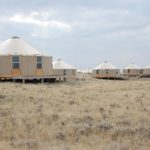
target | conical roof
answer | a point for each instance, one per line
(60, 64)
(132, 66)
(17, 46)
(105, 65)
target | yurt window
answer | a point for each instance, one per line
(141, 71)
(107, 71)
(15, 62)
(97, 71)
(65, 72)
(73, 72)
(39, 62)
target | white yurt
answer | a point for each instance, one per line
(19, 59)
(61, 68)
(106, 70)
(146, 71)
(132, 70)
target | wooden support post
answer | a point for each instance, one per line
(23, 81)
(42, 81)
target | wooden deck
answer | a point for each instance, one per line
(110, 77)
(145, 76)
(24, 79)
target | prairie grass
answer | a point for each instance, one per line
(84, 115)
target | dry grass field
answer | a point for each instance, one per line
(82, 115)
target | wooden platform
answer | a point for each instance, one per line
(25, 79)
(109, 77)
(145, 76)
(112, 78)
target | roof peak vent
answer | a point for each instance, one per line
(15, 37)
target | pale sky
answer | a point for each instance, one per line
(84, 33)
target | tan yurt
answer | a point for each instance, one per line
(19, 59)
(132, 70)
(106, 70)
(146, 71)
(63, 70)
